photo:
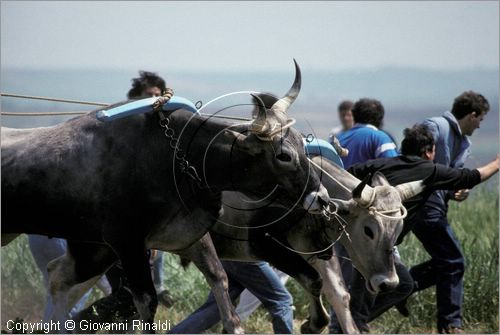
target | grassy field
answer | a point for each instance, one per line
(475, 222)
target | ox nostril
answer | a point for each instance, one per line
(384, 287)
(322, 200)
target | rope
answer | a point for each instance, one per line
(82, 112)
(402, 210)
(303, 252)
(54, 99)
(87, 103)
(43, 114)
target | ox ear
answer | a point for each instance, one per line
(242, 142)
(379, 179)
(259, 125)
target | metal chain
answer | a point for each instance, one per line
(169, 132)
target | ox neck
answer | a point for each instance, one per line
(205, 147)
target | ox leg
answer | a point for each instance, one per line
(336, 292)
(135, 263)
(298, 268)
(72, 274)
(204, 256)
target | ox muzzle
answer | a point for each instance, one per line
(382, 283)
(316, 201)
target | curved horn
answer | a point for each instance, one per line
(260, 122)
(284, 103)
(363, 193)
(411, 189)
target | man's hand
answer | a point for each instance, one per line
(461, 195)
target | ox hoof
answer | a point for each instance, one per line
(237, 330)
(308, 328)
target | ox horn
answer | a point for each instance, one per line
(363, 193)
(409, 190)
(284, 103)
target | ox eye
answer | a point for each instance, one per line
(369, 233)
(284, 157)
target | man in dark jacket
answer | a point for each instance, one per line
(415, 163)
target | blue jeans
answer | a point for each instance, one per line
(158, 272)
(445, 269)
(260, 279)
(44, 250)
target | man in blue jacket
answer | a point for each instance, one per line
(446, 267)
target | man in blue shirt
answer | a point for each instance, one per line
(446, 267)
(365, 141)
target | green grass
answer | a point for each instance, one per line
(475, 222)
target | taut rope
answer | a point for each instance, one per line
(80, 102)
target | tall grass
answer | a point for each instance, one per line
(475, 222)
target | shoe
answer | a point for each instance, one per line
(363, 327)
(402, 308)
(166, 299)
(451, 330)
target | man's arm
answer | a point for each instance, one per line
(489, 169)
(446, 178)
(385, 146)
(433, 128)
(485, 172)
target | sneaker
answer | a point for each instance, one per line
(402, 308)
(451, 330)
(363, 327)
(166, 299)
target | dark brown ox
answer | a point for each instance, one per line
(115, 189)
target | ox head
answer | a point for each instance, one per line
(374, 219)
(375, 216)
(271, 155)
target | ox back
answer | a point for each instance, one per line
(69, 180)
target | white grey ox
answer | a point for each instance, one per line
(299, 243)
(114, 189)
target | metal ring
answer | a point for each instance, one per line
(169, 132)
(164, 122)
(309, 138)
(173, 143)
(198, 104)
(179, 155)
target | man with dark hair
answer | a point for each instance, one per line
(364, 140)
(446, 267)
(368, 111)
(415, 163)
(345, 117)
(149, 84)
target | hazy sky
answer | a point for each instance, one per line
(244, 36)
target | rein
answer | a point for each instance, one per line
(329, 214)
(370, 208)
